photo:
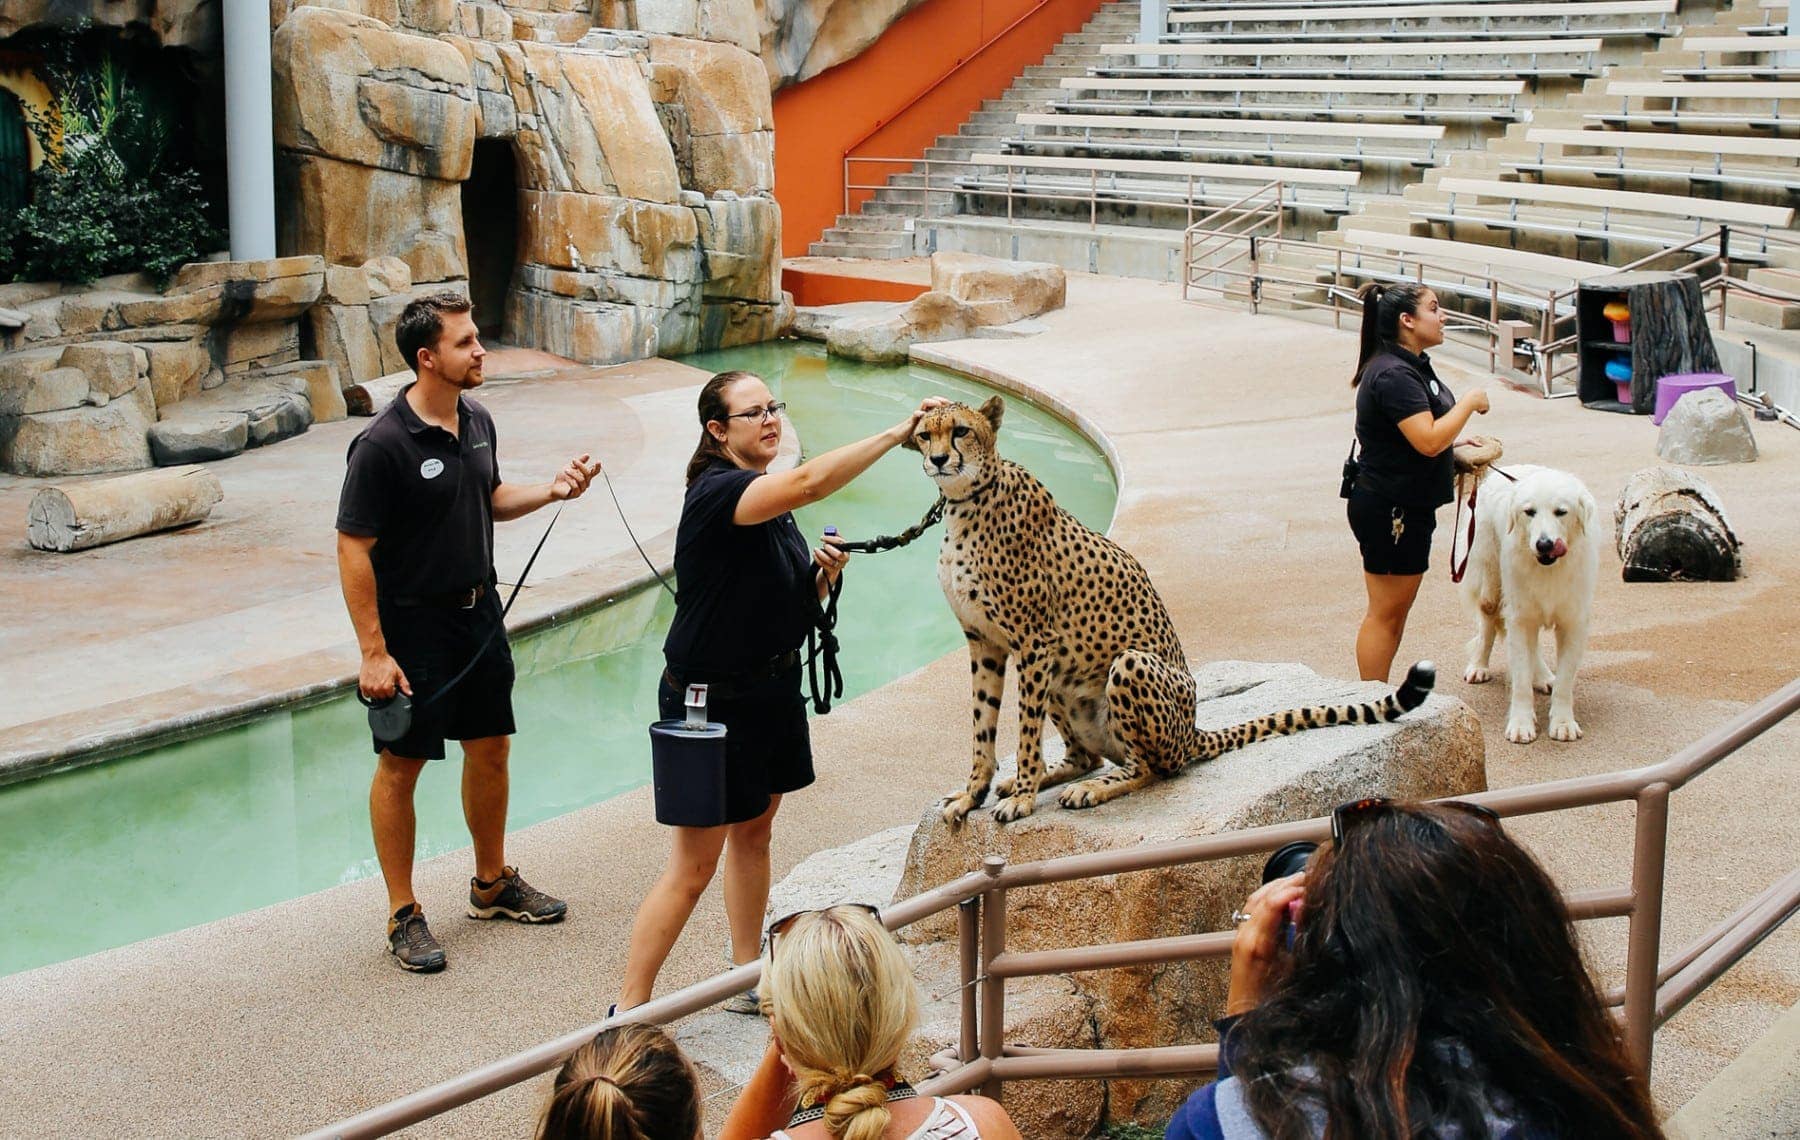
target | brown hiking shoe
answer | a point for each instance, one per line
(512, 897)
(411, 943)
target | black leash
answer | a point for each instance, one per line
(821, 639)
(634, 539)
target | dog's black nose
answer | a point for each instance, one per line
(1546, 546)
(940, 460)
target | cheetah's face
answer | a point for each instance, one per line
(956, 445)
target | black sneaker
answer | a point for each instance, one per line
(512, 897)
(411, 943)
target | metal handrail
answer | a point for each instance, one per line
(1650, 996)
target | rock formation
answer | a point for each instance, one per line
(801, 38)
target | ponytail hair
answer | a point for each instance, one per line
(1382, 307)
(630, 1082)
(842, 1000)
(713, 408)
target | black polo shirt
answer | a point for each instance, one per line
(426, 497)
(744, 594)
(1397, 385)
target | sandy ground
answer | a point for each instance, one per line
(1229, 430)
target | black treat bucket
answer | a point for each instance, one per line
(688, 772)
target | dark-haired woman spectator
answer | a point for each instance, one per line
(1406, 422)
(631, 1082)
(748, 592)
(1433, 989)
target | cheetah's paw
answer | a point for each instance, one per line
(1014, 807)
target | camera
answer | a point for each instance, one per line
(1352, 468)
(1288, 860)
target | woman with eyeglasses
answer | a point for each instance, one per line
(749, 590)
(1434, 988)
(842, 1004)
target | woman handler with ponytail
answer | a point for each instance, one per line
(748, 592)
(1406, 422)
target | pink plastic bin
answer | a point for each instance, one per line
(1672, 388)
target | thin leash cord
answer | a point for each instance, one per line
(617, 506)
(821, 639)
(1457, 571)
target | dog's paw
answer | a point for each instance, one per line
(1564, 728)
(1521, 729)
(1014, 807)
(1477, 675)
(1542, 684)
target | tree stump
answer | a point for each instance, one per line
(84, 515)
(1670, 527)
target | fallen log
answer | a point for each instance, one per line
(370, 396)
(84, 515)
(1670, 527)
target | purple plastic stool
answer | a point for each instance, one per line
(1672, 388)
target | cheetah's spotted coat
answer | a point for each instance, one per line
(1092, 644)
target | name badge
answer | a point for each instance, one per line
(431, 468)
(1434, 391)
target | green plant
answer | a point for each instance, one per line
(110, 199)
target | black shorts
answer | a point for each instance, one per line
(1372, 520)
(432, 644)
(768, 750)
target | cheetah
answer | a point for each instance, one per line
(1090, 639)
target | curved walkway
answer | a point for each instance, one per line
(1228, 431)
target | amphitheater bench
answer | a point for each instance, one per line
(1361, 47)
(1300, 176)
(1677, 142)
(1273, 71)
(1739, 45)
(1448, 286)
(1141, 191)
(1248, 148)
(1606, 201)
(1603, 230)
(1510, 89)
(1353, 113)
(1450, 11)
(1774, 72)
(1270, 127)
(1718, 174)
(1701, 120)
(1396, 32)
(1634, 89)
(1489, 258)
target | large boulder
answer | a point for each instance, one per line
(595, 129)
(78, 410)
(352, 213)
(999, 291)
(724, 122)
(199, 438)
(1433, 751)
(1705, 428)
(929, 317)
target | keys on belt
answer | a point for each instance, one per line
(458, 600)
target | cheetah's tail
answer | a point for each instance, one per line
(1420, 680)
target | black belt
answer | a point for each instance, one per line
(459, 600)
(724, 686)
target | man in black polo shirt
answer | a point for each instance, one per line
(416, 557)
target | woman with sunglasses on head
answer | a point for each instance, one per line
(1434, 988)
(842, 1005)
(749, 591)
(1406, 421)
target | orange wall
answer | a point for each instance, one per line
(818, 120)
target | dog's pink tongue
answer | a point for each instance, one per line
(1561, 548)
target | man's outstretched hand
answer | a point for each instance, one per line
(574, 478)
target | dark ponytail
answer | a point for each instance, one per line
(713, 407)
(1383, 306)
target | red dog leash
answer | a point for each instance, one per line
(1457, 572)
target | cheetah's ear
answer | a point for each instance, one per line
(992, 411)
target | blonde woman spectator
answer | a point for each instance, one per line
(631, 1082)
(842, 1004)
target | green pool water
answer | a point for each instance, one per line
(269, 811)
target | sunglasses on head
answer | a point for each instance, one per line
(1344, 815)
(781, 925)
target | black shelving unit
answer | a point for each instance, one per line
(1668, 335)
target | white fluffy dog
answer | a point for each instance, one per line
(1533, 566)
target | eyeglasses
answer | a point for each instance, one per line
(1344, 815)
(781, 925)
(759, 414)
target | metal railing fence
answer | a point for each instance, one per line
(1652, 992)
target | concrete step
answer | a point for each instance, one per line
(1055, 71)
(1768, 314)
(872, 223)
(847, 249)
(897, 239)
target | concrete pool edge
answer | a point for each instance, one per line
(564, 598)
